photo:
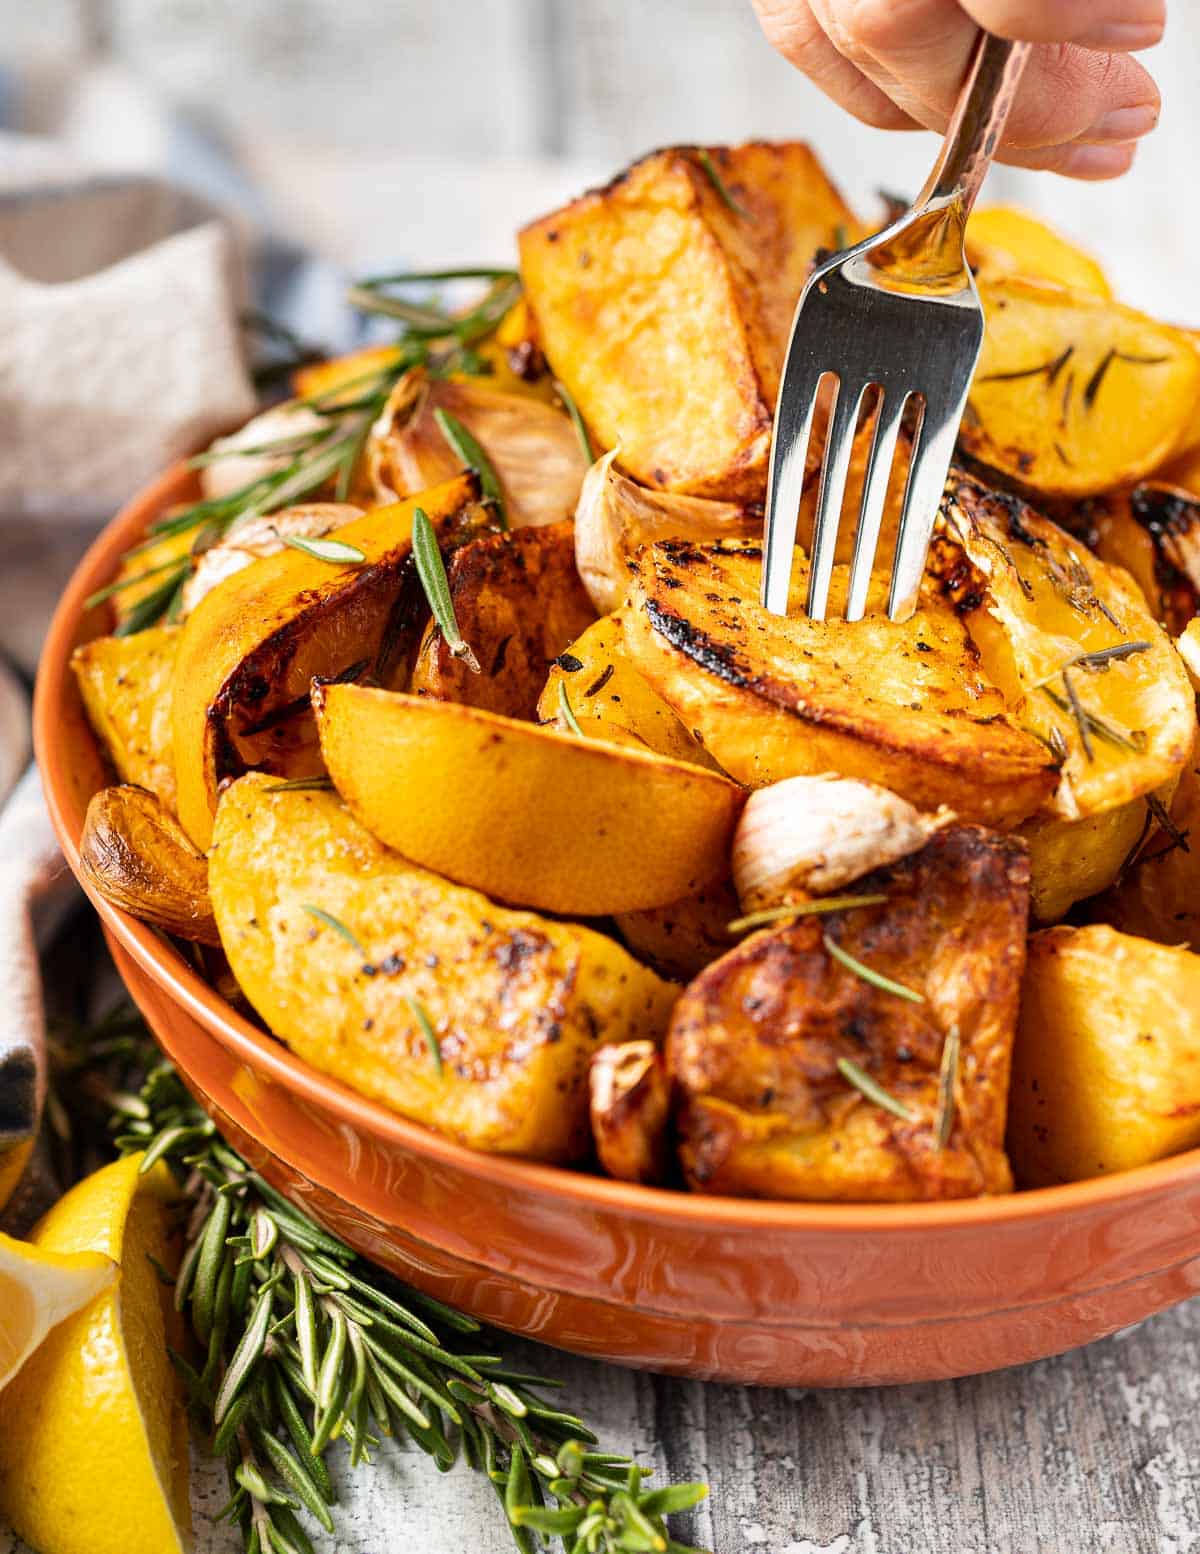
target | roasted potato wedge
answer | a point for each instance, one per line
(125, 683)
(1070, 643)
(1070, 860)
(532, 446)
(755, 1042)
(519, 602)
(260, 537)
(142, 572)
(1002, 241)
(1153, 531)
(616, 517)
(771, 697)
(526, 814)
(611, 701)
(1158, 896)
(517, 1005)
(663, 303)
(630, 1109)
(1075, 394)
(136, 854)
(1106, 1069)
(251, 648)
(683, 937)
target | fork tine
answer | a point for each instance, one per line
(785, 478)
(878, 475)
(839, 443)
(932, 451)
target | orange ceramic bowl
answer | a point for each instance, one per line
(780, 1293)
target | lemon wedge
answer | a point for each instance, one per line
(93, 1453)
(39, 1289)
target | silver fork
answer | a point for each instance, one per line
(897, 316)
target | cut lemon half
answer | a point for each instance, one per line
(93, 1453)
(39, 1289)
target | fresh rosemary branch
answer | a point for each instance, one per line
(330, 454)
(298, 1343)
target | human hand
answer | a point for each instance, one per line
(898, 64)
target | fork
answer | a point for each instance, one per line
(896, 317)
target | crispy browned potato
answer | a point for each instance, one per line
(664, 300)
(138, 856)
(1158, 896)
(1106, 1068)
(125, 683)
(251, 649)
(682, 938)
(519, 602)
(902, 704)
(755, 1042)
(1074, 393)
(1070, 643)
(630, 1097)
(517, 1005)
(1153, 531)
(533, 446)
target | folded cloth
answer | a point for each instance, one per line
(119, 352)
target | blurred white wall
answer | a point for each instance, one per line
(428, 129)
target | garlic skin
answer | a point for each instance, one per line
(262, 537)
(816, 834)
(224, 476)
(615, 516)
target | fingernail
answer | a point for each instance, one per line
(1098, 162)
(1122, 37)
(1124, 124)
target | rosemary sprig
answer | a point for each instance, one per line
(567, 711)
(465, 446)
(431, 570)
(337, 925)
(421, 1015)
(947, 1079)
(820, 908)
(336, 552)
(719, 184)
(299, 1343)
(875, 978)
(873, 1091)
(577, 421)
(1096, 724)
(301, 785)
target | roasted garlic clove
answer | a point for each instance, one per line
(135, 854)
(815, 834)
(281, 432)
(615, 516)
(630, 1098)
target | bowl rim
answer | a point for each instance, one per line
(184, 986)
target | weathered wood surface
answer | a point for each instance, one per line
(1092, 1453)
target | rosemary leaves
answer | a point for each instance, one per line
(868, 974)
(431, 570)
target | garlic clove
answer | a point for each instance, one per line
(285, 424)
(615, 516)
(629, 1106)
(816, 834)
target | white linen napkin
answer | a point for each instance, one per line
(119, 352)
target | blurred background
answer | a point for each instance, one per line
(425, 130)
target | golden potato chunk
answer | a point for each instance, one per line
(610, 700)
(757, 1040)
(1002, 241)
(517, 1005)
(664, 300)
(519, 602)
(125, 683)
(1070, 643)
(251, 649)
(1106, 1068)
(683, 937)
(1158, 897)
(902, 704)
(137, 855)
(1153, 531)
(1076, 394)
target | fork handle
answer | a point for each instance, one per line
(982, 110)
